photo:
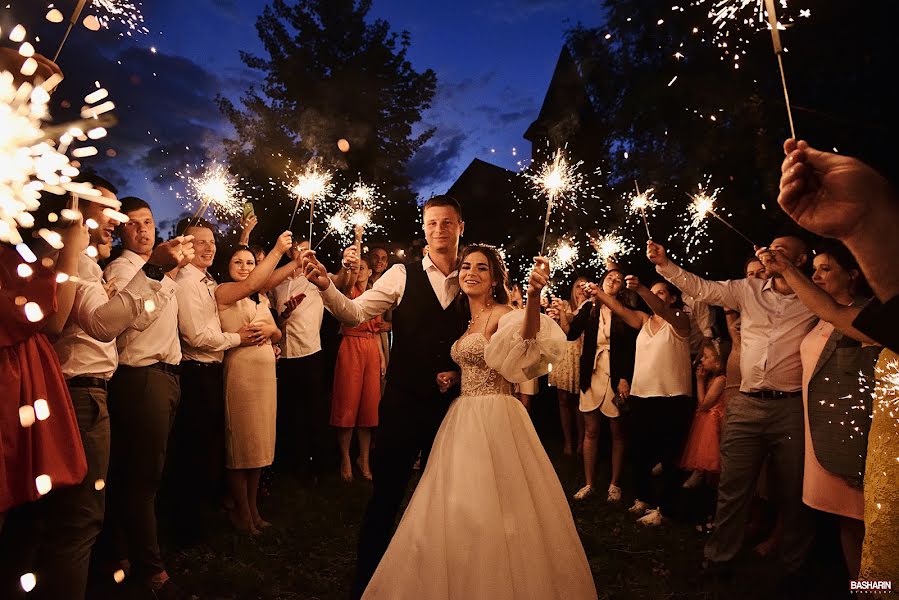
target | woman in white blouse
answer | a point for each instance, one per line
(660, 395)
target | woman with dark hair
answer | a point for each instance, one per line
(606, 370)
(565, 375)
(489, 517)
(835, 365)
(357, 380)
(661, 390)
(250, 388)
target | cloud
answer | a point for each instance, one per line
(435, 162)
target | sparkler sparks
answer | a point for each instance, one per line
(609, 246)
(215, 188)
(32, 154)
(641, 202)
(123, 12)
(312, 185)
(702, 205)
(559, 181)
(562, 257)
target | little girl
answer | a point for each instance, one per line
(702, 452)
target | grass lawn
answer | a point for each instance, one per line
(309, 553)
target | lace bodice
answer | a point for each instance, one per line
(477, 378)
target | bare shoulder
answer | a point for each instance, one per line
(502, 310)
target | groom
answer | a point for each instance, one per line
(426, 322)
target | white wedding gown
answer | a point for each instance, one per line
(489, 518)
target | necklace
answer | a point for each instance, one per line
(473, 320)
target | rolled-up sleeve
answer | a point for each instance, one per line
(386, 293)
(728, 294)
(136, 305)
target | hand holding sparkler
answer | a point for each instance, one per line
(315, 272)
(774, 261)
(632, 282)
(350, 257)
(656, 254)
(830, 194)
(538, 279)
(283, 243)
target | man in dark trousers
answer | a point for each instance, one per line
(426, 322)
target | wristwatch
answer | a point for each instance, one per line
(154, 271)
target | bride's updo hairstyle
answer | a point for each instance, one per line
(498, 270)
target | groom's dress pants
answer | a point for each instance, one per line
(407, 425)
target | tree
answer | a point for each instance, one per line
(330, 74)
(726, 123)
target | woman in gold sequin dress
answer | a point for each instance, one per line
(489, 518)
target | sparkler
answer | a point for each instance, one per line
(640, 202)
(608, 246)
(311, 184)
(724, 13)
(215, 187)
(33, 156)
(122, 11)
(557, 180)
(703, 205)
(563, 256)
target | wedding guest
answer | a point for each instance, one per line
(379, 263)
(702, 454)
(28, 363)
(606, 371)
(87, 353)
(660, 394)
(565, 374)
(357, 381)
(302, 397)
(840, 197)
(143, 397)
(424, 317)
(250, 386)
(39, 438)
(197, 453)
(834, 457)
(379, 267)
(766, 416)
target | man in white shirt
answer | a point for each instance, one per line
(88, 357)
(767, 416)
(426, 322)
(197, 453)
(143, 398)
(303, 399)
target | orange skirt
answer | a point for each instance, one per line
(357, 383)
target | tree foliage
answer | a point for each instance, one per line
(726, 123)
(330, 73)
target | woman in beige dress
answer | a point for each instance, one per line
(250, 388)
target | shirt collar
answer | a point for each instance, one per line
(134, 258)
(194, 272)
(427, 264)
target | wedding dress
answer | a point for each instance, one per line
(489, 518)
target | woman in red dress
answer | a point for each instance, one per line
(40, 445)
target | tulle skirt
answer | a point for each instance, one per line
(703, 449)
(489, 518)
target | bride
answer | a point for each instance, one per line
(489, 518)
